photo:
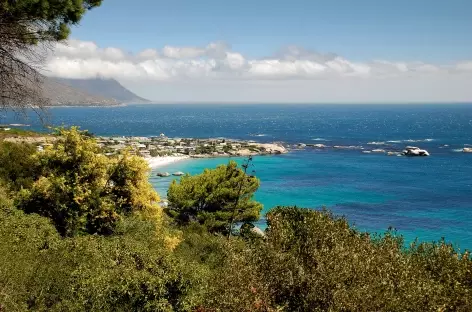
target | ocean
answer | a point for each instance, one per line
(425, 198)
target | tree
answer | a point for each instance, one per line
(83, 191)
(215, 198)
(27, 28)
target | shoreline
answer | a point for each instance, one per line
(157, 162)
(162, 161)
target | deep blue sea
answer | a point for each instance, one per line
(427, 198)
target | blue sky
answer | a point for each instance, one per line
(328, 51)
(409, 30)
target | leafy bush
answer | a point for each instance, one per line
(129, 271)
(23, 238)
(313, 261)
(83, 191)
(17, 164)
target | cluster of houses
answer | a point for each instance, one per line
(162, 146)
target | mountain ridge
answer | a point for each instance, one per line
(60, 94)
(104, 87)
(88, 92)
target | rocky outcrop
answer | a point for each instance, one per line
(415, 151)
(245, 152)
(272, 148)
(467, 150)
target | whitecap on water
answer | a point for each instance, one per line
(376, 143)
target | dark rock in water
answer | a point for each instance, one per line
(178, 173)
(163, 174)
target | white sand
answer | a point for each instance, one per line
(156, 162)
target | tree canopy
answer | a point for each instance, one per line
(44, 19)
(215, 198)
(27, 27)
(82, 190)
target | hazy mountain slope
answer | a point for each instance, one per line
(109, 88)
(62, 94)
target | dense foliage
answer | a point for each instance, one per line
(78, 188)
(215, 198)
(307, 261)
(18, 164)
(129, 271)
(55, 16)
(313, 261)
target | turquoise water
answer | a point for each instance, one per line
(369, 189)
(428, 198)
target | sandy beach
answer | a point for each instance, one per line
(156, 162)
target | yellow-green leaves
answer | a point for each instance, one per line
(83, 191)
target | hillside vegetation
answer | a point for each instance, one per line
(80, 231)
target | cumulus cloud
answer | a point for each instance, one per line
(218, 62)
(80, 59)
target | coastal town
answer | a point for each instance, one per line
(158, 146)
(161, 150)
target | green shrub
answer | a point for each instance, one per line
(313, 261)
(18, 167)
(129, 271)
(23, 239)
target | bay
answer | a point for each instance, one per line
(428, 197)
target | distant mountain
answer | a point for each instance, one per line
(107, 88)
(63, 94)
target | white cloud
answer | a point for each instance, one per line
(207, 66)
(148, 54)
(182, 53)
(464, 66)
